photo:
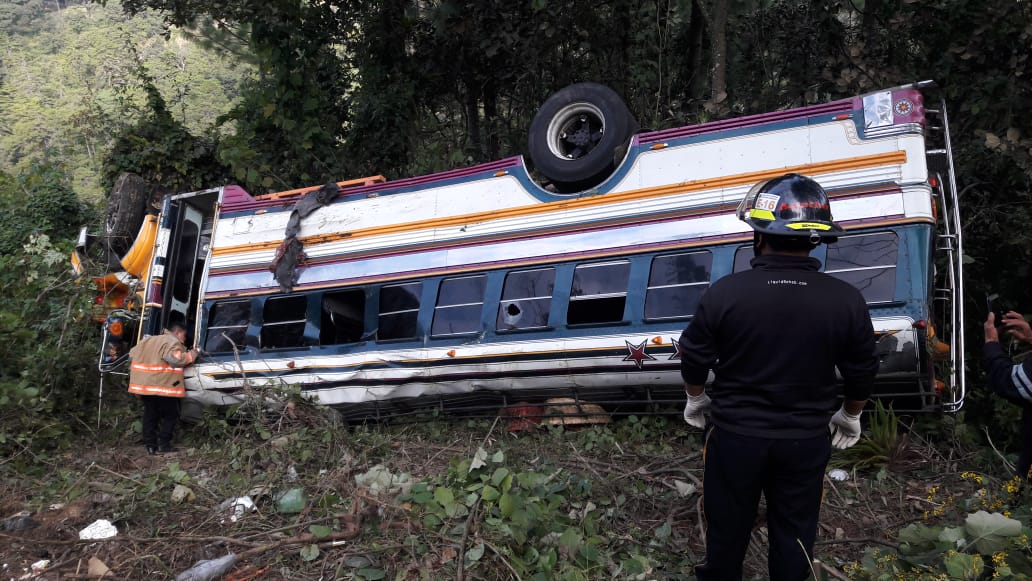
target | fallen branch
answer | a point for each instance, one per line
(859, 540)
(1006, 464)
(461, 575)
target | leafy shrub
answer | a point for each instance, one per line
(44, 317)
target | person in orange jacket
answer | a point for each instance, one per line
(156, 376)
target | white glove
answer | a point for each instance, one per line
(695, 410)
(845, 429)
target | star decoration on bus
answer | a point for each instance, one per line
(637, 354)
(677, 349)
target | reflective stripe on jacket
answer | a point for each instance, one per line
(157, 366)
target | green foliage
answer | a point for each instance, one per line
(536, 520)
(878, 443)
(38, 201)
(985, 533)
(43, 319)
(69, 84)
(162, 151)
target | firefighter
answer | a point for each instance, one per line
(156, 376)
(773, 337)
(1010, 381)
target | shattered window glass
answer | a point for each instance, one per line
(526, 300)
(676, 282)
(399, 311)
(599, 293)
(343, 317)
(283, 322)
(460, 302)
(227, 326)
(867, 262)
(182, 279)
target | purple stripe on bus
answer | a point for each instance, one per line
(750, 120)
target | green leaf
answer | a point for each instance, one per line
(320, 531)
(309, 553)
(983, 523)
(951, 535)
(489, 493)
(475, 553)
(371, 574)
(663, 531)
(498, 457)
(444, 496)
(991, 532)
(506, 504)
(921, 537)
(499, 475)
(571, 539)
(963, 565)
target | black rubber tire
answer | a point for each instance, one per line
(599, 127)
(127, 205)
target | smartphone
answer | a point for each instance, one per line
(991, 307)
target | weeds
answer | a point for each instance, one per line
(878, 446)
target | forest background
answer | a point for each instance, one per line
(278, 94)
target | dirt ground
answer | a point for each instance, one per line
(46, 500)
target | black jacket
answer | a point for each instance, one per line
(1013, 382)
(773, 337)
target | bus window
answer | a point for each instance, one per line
(460, 302)
(526, 300)
(283, 322)
(599, 293)
(676, 283)
(399, 311)
(343, 317)
(743, 257)
(227, 326)
(868, 262)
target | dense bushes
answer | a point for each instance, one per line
(48, 344)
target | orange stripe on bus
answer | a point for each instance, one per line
(890, 158)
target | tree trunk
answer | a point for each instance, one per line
(718, 49)
(491, 119)
(472, 106)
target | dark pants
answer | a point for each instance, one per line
(1025, 458)
(790, 474)
(160, 415)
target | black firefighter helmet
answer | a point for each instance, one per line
(790, 205)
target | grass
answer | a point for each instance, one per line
(467, 499)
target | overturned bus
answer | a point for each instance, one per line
(474, 289)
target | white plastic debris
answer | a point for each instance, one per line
(838, 475)
(99, 529)
(292, 473)
(684, 488)
(39, 566)
(209, 569)
(237, 507)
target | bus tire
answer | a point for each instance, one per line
(127, 205)
(580, 135)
